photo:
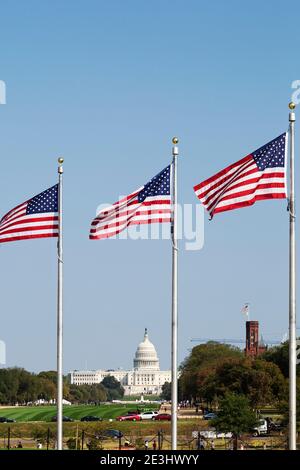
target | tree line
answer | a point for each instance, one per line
(219, 377)
(215, 371)
(20, 386)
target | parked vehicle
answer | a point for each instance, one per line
(261, 428)
(162, 417)
(111, 433)
(4, 419)
(208, 416)
(148, 414)
(66, 419)
(129, 418)
(273, 426)
(90, 418)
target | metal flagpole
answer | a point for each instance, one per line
(292, 287)
(59, 403)
(174, 387)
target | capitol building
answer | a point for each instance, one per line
(145, 378)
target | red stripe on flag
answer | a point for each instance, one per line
(27, 237)
(239, 205)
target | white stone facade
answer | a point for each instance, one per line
(146, 378)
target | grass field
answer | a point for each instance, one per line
(128, 428)
(45, 413)
(34, 423)
(134, 432)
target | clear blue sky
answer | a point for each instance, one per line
(107, 85)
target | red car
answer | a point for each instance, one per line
(129, 418)
(162, 416)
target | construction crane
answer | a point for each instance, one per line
(246, 311)
(270, 342)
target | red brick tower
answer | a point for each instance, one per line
(254, 347)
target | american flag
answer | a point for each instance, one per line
(259, 175)
(245, 310)
(149, 204)
(35, 218)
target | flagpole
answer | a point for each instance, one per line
(292, 287)
(59, 400)
(174, 371)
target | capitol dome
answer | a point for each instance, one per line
(146, 356)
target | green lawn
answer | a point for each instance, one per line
(45, 413)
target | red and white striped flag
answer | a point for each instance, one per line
(35, 218)
(149, 204)
(259, 175)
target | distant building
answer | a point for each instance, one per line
(146, 378)
(254, 345)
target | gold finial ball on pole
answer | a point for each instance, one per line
(60, 160)
(292, 105)
(175, 140)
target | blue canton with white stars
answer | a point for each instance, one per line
(157, 186)
(272, 154)
(47, 201)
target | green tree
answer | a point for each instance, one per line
(166, 391)
(46, 389)
(49, 375)
(113, 388)
(87, 393)
(9, 384)
(17, 386)
(20, 386)
(235, 416)
(97, 393)
(279, 355)
(284, 407)
(262, 382)
(28, 386)
(202, 362)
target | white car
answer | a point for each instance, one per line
(148, 414)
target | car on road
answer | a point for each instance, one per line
(129, 418)
(148, 414)
(66, 419)
(208, 416)
(111, 433)
(91, 418)
(162, 417)
(4, 419)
